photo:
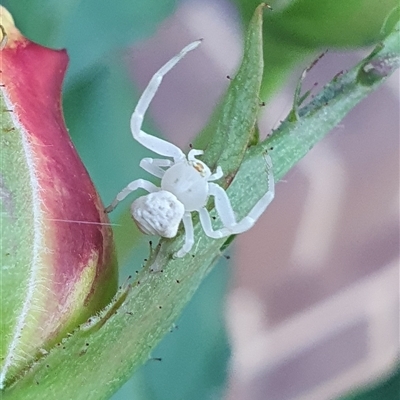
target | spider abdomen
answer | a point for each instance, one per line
(158, 213)
(187, 184)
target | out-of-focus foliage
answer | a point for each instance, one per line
(297, 28)
(388, 389)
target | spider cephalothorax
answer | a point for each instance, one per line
(186, 183)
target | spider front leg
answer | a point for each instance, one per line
(216, 175)
(189, 235)
(153, 143)
(137, 184)
(224, 209)
(206, 224)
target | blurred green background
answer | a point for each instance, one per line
(99, 96)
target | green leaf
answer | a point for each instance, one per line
(233, 124)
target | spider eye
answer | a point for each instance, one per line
(201, 168)
(198, 167)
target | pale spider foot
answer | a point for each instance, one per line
(179, 254)
(109, 209)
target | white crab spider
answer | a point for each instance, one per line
(186, 182)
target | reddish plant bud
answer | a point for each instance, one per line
(57, 258)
